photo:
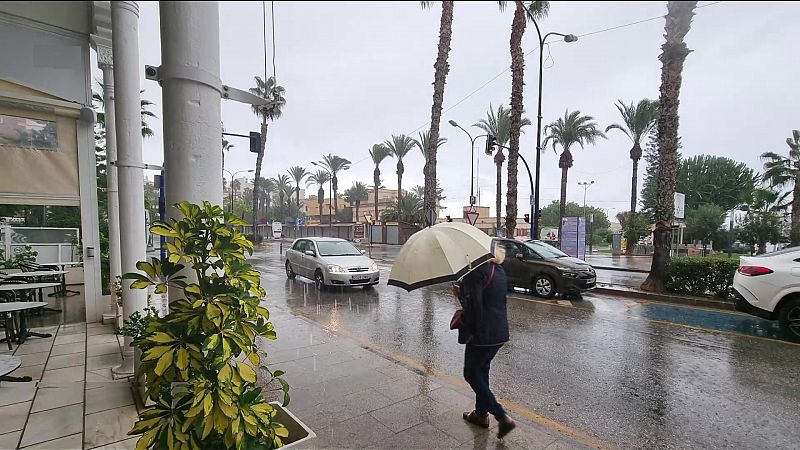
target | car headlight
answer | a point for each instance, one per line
(567, 272)
(333, 268)
(374, 267)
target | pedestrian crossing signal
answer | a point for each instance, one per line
(527, 218)
(491, 142)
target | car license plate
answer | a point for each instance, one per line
(361, 277)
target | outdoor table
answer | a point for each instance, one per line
(9, 364)
(29, 287)
(63, 265)
(39, 274)
(20, 308)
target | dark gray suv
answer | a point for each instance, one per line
(544, 269)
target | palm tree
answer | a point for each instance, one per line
(424, 146)
(319, 178)
(638, 121)
(283, 187)
(567, 131)
(539, 10)
(399, 147)
(411, 206)
(442, 67)
(499, 125)
(335, 164)
(378, 153)
(271, 91)
(357, 194)
(673, 54)
(143, 104)
(297, 173)
(266, 189)
(781, 171)
(226, 147)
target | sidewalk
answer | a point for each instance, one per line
(353, 396)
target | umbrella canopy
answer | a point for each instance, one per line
(438, 254)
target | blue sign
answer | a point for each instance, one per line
(300, 221)
(573, 236)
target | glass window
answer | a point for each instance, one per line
(300, 246)
(337, 248)
(33, 134)
(545, 250)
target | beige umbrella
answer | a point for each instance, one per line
(438, 254)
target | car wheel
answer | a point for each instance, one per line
(544, 286)
(319, 281)
(789, 319)
(289, 271)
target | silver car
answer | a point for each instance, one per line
(330, 262)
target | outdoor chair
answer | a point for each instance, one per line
(7, 319)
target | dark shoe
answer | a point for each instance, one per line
(473, 418)
(504, 426)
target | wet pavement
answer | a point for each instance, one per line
(607, 371)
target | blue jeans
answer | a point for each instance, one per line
(477, 361)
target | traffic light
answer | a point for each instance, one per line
(449, 219)
(527, 218)
(491, 142)
(255, 142)
(539, 217)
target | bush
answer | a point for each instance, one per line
(25, 255)
(697, 275)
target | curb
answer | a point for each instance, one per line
(667, 298)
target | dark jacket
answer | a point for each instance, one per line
(483, 297)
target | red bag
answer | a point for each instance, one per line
(455, 321)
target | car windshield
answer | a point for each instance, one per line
(545, 250)
(337, 248)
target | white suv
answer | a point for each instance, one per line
(768, 286)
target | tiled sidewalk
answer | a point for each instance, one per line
(72, 402)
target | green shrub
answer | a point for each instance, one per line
(696, 275)
(200, 362)
(27, 254)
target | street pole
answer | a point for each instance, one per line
(472, 160)
(567, 38)
(585, 186)
(233, 178)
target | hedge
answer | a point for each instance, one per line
(697, 275)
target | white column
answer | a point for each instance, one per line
(125, 26)
(191, 86)
(106, 64)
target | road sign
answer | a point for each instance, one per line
(472, 217)
(300, 221)
(431, 216)
(359, 232)
(680, 205)
(533, 200)
(472, 199)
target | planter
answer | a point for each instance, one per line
(298, 431)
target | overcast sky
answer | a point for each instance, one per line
(356, 73)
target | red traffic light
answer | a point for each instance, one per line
(527, 218)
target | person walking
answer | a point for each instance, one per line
(483, 329)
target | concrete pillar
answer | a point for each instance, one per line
(125, 26)
(106, 64)
(191, 87)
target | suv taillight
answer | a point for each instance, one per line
(754, 271)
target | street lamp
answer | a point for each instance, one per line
(330, 192)
(585, 185)
(530, 178)
(472, 162)
(368, 219)
(233, 176)
(567, 38)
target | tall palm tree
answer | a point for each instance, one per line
(539, 10)
(424, 146)
(319, 178)
(498, 124)
(298, 173)
(673, 54)
(283, 187)
(378, 153)
(271, 91)
(357, 194)
(335, 164)
(399, 146)
(781, 171)
(637, 123)
(266, 188)
(144, 104)
(442, 67)
(226, 147)
(567, 131)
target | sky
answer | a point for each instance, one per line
(357, 73)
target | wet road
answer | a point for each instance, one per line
(633, 375)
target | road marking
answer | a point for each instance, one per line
(544, 302)
(460, 383)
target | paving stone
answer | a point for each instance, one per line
(67, 338)
(110, 396)
(104, 348)
(359, 432)
(453, 424)
(66, 349)
(62, 361)
(52, 424)
(32, 346)
(33, 359)
(12, 417)
(10, 440)
(56, 397)
(127, 444)
(399, 390)
(35, 372)
(419, 436)
(103, 361)
(61, 377)
(11, 393)
(71, 442)
(110, 426)
(531, 438)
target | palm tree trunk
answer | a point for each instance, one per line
(634, 183)
(358, 205)
(400, 170)
(674, 52)
(515, 116)
(259, 161)
(794, 233)
(320, 199)
(335, 186)
(498, 160)
(298, 201)
(562, 207)
(376, 179)
(442, 68)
